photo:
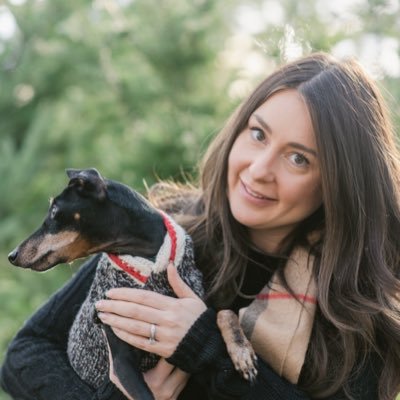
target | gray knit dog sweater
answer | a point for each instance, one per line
(87, 347)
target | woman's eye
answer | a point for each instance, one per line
(299, 160)
(257, 134)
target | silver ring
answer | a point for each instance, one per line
(152, 337)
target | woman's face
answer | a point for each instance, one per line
(273, 170)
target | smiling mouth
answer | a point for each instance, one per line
(256, 194)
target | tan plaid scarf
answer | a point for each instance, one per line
(279, 323)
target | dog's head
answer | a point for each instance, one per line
(90, 215)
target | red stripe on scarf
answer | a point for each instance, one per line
(131, 270)
(172, 235)
(285, 296)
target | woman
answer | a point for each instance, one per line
(300, 198)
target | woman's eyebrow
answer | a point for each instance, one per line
(304, 148)
(292, 144)
(262, 123)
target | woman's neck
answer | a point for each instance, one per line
(268, 242)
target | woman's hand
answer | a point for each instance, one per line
(132, 312)
(166, 381)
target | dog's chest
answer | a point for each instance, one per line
(87, 348)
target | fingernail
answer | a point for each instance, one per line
(102, 316)
(99, 305)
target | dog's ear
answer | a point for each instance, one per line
(88, 182)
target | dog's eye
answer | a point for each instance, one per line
(53, 211)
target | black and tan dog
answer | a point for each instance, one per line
(96, 215)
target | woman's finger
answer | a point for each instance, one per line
(159, 347)
(165, 380)
(140, 296)
(181, 289)
(177, 379)
(134, 327)
(129, 310)
(161, 371)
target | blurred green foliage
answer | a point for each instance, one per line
(136, 88)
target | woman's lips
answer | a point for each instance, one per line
(255, 194)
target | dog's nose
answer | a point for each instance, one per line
(13, 256)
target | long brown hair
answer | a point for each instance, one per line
(358, 258)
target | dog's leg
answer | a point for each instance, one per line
(239, 348)
(126, 366)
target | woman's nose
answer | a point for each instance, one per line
(263, 167)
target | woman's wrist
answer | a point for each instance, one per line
(200, 346)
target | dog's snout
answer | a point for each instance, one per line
(13, 256)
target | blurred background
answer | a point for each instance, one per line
(136, 88)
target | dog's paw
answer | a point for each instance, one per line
(244, 359)
(238, 346)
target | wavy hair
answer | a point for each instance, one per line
(358, 256)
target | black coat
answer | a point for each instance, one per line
(36, 365)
